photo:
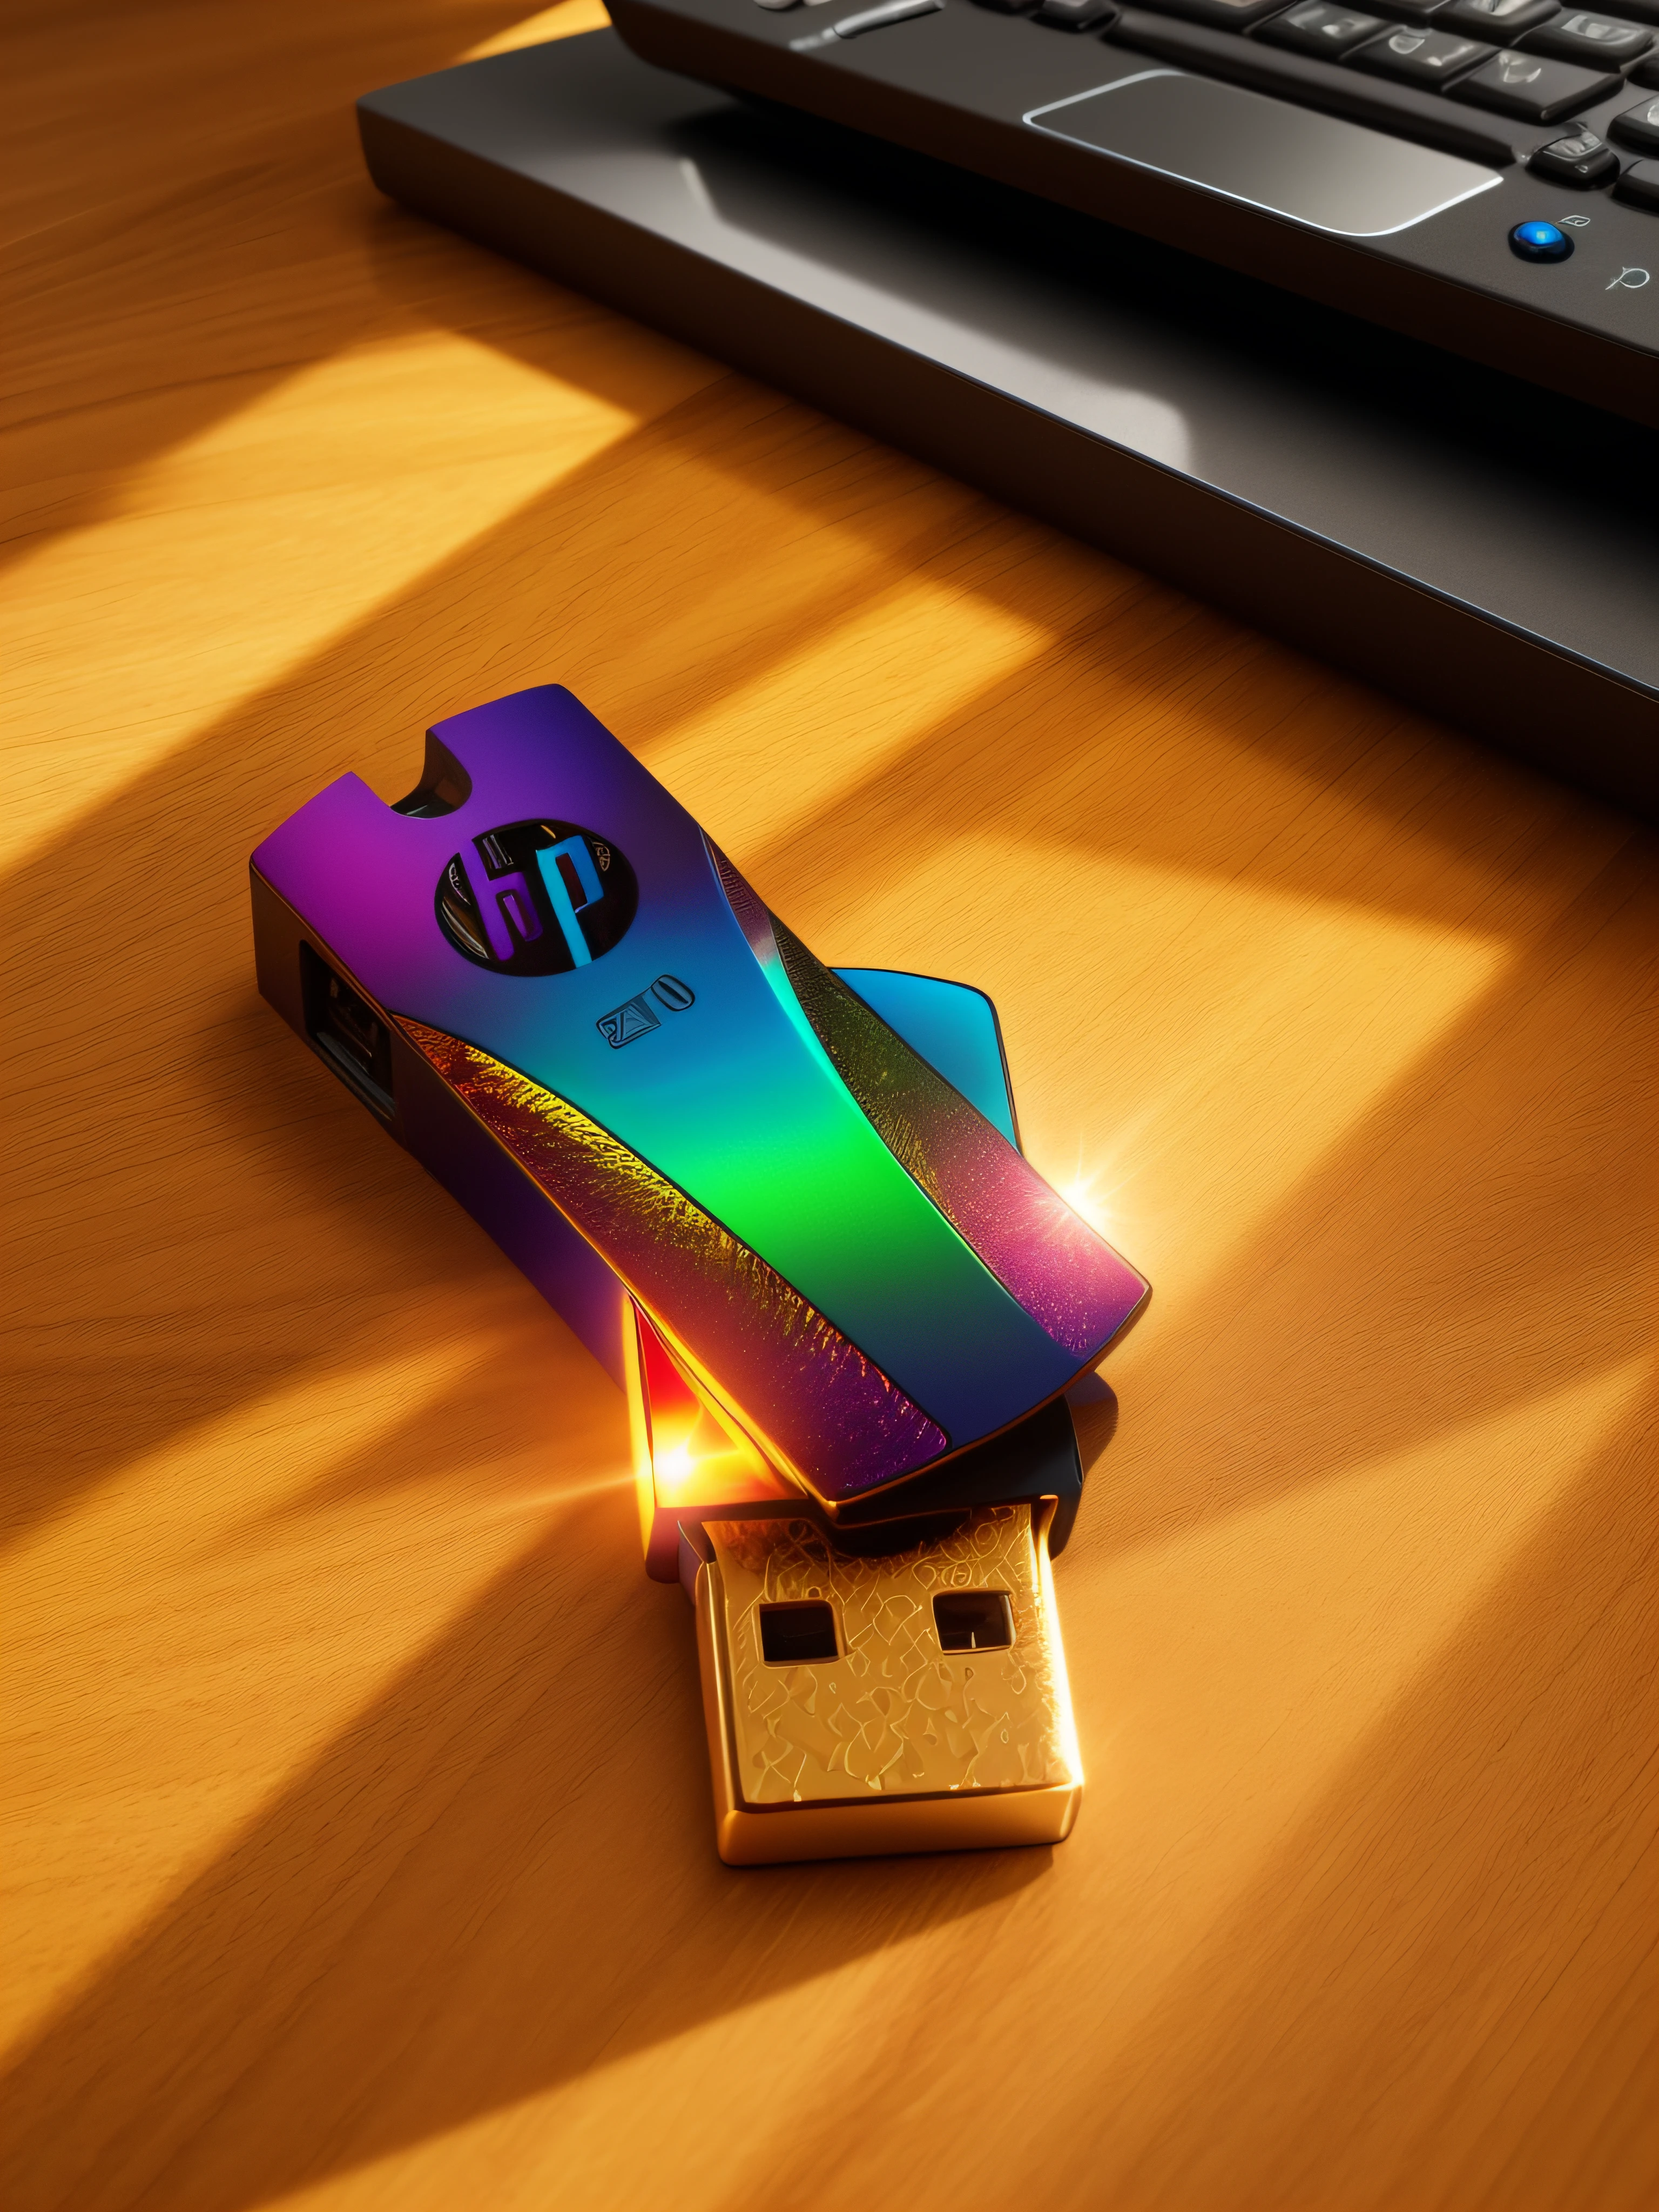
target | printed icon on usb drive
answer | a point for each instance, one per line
(536, 898)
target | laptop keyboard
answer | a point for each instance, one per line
(1522, 60)
(1417, 72)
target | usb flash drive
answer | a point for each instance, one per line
(786, 1207)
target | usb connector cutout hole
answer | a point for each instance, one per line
(350, 1034)
(794, 1635)
(973, 1620)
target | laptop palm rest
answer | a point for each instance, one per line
(1314, 168)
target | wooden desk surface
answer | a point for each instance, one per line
(359, 1851)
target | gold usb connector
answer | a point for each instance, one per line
(896, 1688)
(914, 1702)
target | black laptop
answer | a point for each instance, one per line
(1480, 174)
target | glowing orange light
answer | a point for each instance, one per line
(686, 1451)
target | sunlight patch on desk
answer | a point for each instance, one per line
(1285, 1019)
(612, 2134)
(778, 754)
(1266, 1646)
(566, 18)
(192, 1566)
(355, 477)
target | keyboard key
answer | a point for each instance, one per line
(1331, 87)
(1233, 15)
(1314, 28)
(1597, 41)
(1640, 186)
(1582, 159)
(1421, 56)
(1500, 21)
(878, 19)
(1416, 11)
(1534, 88)
(1638, 126)
(1539, 241)
(1076, 15)
(1646, 73)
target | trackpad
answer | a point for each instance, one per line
(1314, 168)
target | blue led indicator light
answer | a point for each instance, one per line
(1539, 241)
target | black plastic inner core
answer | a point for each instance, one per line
(974, 1620)
(790, 1635)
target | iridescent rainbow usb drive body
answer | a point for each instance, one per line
(786, 1207)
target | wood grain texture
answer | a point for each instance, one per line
(359, 1835)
